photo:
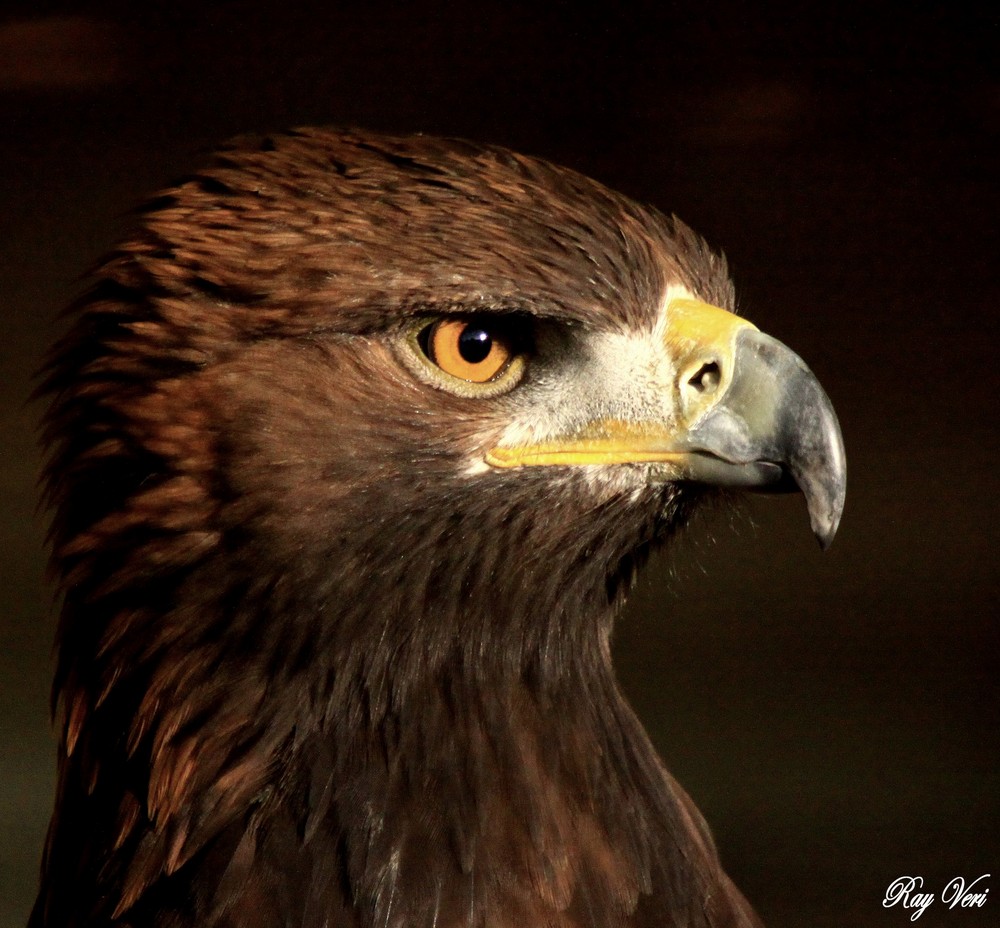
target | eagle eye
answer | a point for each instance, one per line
(475, 350)
(477, 355)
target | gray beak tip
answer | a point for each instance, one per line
(822, 476)
(825, 530)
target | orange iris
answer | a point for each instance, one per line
(470, 349)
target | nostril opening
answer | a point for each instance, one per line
(706, 378)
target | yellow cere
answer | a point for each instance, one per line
(702, 325)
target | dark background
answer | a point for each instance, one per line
(835, 716)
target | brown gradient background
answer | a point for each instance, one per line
(835, 717)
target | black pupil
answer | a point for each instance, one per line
(474, 344)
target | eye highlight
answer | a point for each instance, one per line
(475, 350)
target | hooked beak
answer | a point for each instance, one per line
(747, 412)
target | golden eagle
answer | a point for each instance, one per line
(354, 448)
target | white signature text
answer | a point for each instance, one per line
(908, 893)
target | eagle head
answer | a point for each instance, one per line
(355, 445)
